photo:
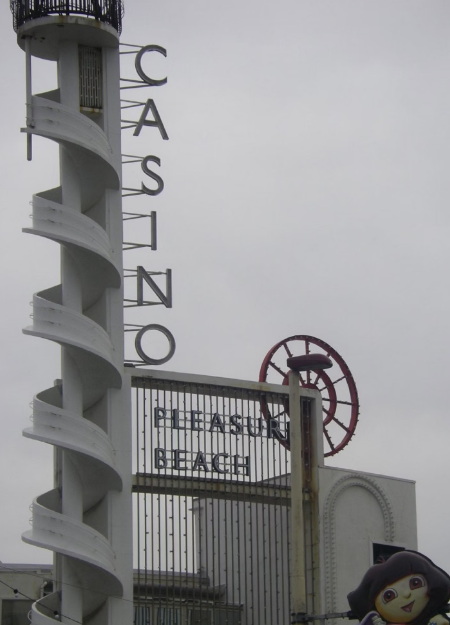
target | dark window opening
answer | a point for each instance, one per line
(381, 553)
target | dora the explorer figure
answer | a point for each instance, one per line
(406, 589)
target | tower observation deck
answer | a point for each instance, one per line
(106, 11)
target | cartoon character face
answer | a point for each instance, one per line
(404, 600)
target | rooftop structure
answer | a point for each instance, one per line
(106, 11)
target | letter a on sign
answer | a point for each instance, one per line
(155, 122)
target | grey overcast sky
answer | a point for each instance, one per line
(306, 192)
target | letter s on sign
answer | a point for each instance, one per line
(146, 169)
(167, 334)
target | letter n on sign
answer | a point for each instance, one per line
(164, 298)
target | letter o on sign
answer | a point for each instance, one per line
(167, 334)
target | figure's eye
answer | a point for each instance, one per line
(416, 582)
(389, 594)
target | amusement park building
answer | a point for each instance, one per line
(211, 487)
(363, 516)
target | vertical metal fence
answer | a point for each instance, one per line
(108, 11)
(212, 496)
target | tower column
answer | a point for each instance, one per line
(86, 518)
(72, 388)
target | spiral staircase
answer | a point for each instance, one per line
(85, 519)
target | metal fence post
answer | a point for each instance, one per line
(297, 524)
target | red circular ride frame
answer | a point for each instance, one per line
(327, 385)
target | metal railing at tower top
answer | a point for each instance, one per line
(107, 11)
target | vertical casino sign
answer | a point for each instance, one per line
(152, 287)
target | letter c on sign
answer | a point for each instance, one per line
(153, 82)
(167, 334)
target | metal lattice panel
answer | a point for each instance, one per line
(212, 496)
(90, 63)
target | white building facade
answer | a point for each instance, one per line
(362, 516)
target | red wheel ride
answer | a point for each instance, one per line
(340, 401)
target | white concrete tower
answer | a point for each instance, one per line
(85, 519)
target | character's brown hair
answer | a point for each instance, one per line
(399, 565)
